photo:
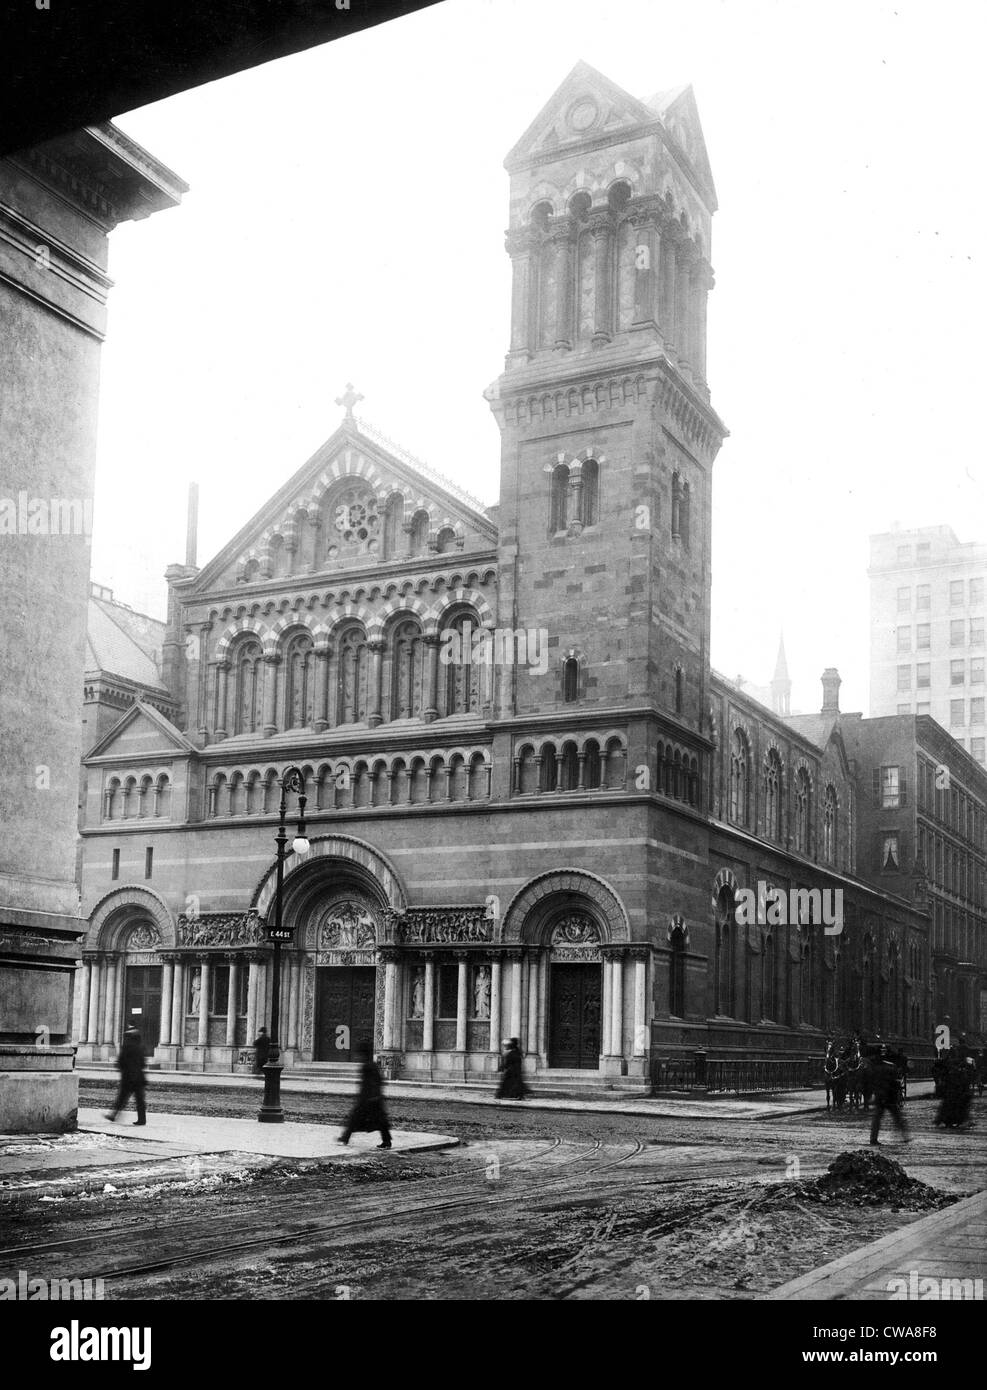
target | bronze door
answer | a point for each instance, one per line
(574, 1040)
(142, 1005)
(344, 1014)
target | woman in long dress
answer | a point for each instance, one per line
(368, 1112)
(512, 1085)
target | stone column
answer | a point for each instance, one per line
(270, 665)
(617, 1019)
(519, 249)
(390, 998)
(167, 987)
(606, 1031)
(109, 999)
(84, 987)
(494, 1045)
(376, 648)
(251, 999)
(322, 655)
(533, 1020)
(640, 1022)
(231, 1001)
(515, 960)
(563, 238)
(92, 1022)
(222, 681)
(667, 321)
(294, 963)
(178, 1006)
(205, 969)
(645, 268)
(601, 227)
(430, 708)
(428, 1023)
(461, 992)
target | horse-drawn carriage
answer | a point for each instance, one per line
(849, 1069)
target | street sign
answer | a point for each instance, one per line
(285, 934)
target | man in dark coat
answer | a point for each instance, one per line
(884, 1081)
(512, 1085)
(262, 1050)
(130, 1065)
(368, 1112)
(954, 1111)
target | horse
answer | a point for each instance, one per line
(834, 1073)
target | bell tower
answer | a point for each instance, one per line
(608, 436)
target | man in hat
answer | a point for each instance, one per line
(887, 1096)
(130, 1065)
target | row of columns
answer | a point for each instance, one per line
(671, 280)
(216, 806)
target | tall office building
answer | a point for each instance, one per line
(927, 630)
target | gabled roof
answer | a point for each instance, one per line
(680, 116)
(386, 461)
(549, 129)
(143, 730)
(123, 643)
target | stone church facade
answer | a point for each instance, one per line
(531, 803)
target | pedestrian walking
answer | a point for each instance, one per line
(262, 1050)
(887, 1096)
(130, 1064)
(368, 1112)
(954, 1110)
(512, 1085)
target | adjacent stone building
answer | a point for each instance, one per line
(533, 808)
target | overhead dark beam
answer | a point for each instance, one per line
(81, 62)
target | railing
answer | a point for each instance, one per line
(745, 1075)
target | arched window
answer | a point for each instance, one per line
(772, 795)
(739, 778)
(446, 540)
(419, 532)
(407, 665)
(569, 769)
(570, 679)
(527, 774)
(248, 687)
(560, 497)
(393, 517)
(829, 826)
(352, 680)
(685, 511)
(676, 506)
(802, 809)
(353, 524)
(676, 974)
(679, 689)
(299, 678)
(591, 766)
(590, 492)
(548, 778)
(726, 908)
(463, 670)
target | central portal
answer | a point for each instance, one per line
(344, 1011)
(574, 1040)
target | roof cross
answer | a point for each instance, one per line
(349, 400)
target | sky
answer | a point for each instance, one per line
(345, 222)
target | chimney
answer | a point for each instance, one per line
(191, 534)
(831, 690)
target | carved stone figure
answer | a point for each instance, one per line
(481, 992)
(575, 930)
(195, 992)
(348, 926)
(144, 938)
(418, 994)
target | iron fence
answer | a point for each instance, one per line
(744, 1074)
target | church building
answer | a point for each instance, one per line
(532, 806)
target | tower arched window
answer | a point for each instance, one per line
(419, 532)
(248, 687)
(351, 693)
(407, 665)
(590, 492)
(829, 826)
(676, 506)
(570, 679)
(560, 497)
(463, 670)
(739, 778)
(772, 795)
(802, 810)
(299, 675)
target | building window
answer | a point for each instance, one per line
(676, 975)
(957, 635)
(904, 555)
(560, 497)
(739, 775)
(956, 593)
(591, 492)
(923, 596)
(829, 826)
(679, 689)
(219, 990)
(148, 861)
(802, 811)
(115, 870)
(904, 709)
(570, 679)
(890, 787)
(977, 748)
(904, 678)
(890, 860)
(923, 637)
(772, 796)
(448, 991)
(976, 591)
(957, 672)
(923, 675)
(976, 632)
(976, 670)
(977, 710)
(956, 713)
(923, 709)
(904, 639)
(904, 600)
(923, 552)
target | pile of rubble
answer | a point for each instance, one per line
(866, 1178)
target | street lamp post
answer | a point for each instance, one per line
(292, 780)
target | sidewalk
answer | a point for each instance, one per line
(690, 1107)
(939, 1257)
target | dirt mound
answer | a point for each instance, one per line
(866, 1178)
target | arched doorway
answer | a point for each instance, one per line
(575, 987)
(345, 980)
(142, 985)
